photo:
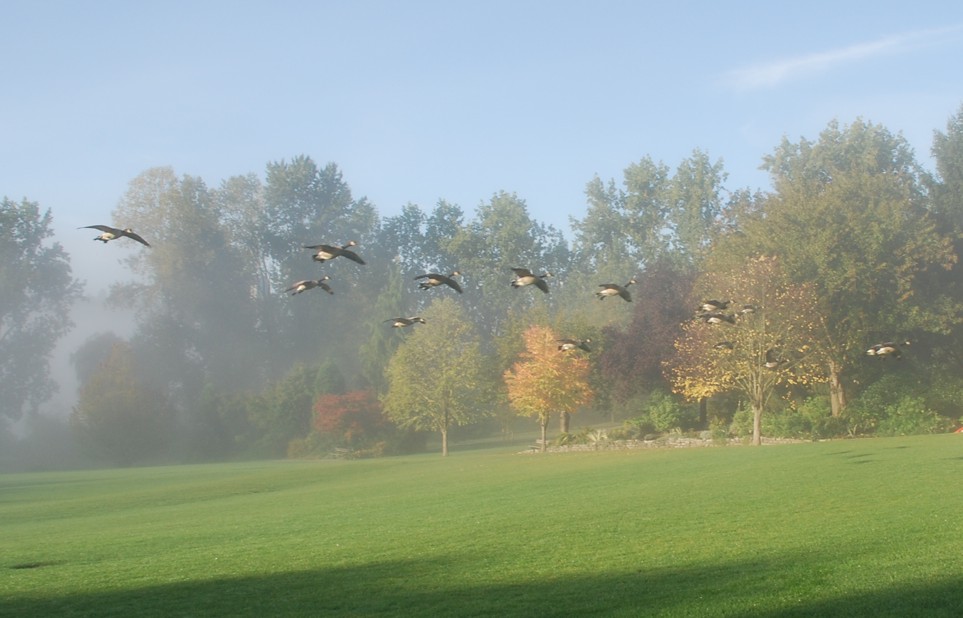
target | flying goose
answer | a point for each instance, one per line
(567, 345)
(434, 279)
(308, 284)
(773, 361)
(889, 349)
(524, 277)
(613, 289)
(402, 322)
(716, 317)
(710, 306)
(113, 233)
(329, 252)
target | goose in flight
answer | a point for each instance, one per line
(524, 277)
(309, 284)
(890, 349)
(113, 233)
(329, 252)
(402, 322)
(613, 289)
(435, 279)
(567, 345)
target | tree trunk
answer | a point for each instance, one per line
(565, 420)
(837, 394)
(756, 424)
(544, 443)
(444, 436)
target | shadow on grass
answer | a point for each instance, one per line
(753, 589)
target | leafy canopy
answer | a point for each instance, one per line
(546, 380)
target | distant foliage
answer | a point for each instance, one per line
(667, 414)
(809, 420)
(854, 244)
(896, 405)
(121, 419)
(632, 361)
(350, 420)
(910, 416)
(36, 293)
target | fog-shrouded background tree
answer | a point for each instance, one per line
(946, 190)
(859, 233)
(37, 290)
(119, 416)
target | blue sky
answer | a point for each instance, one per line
(418, 101)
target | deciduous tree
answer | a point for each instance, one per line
(774, 344)
(631, 361)
(435, 378)
(120, 417)
(36, 294)
(503, 236)
(195, 315)
(349, 420)
(850, 218)
(546, 380)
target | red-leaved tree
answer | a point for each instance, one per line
(351, 420)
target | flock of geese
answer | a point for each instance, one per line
(717, 312)
(710, 311)
(523, 277)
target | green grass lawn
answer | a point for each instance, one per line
(861, 527)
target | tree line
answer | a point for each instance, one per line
(855, 245)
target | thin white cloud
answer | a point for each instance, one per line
(770, 74)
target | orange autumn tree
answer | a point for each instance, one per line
(545, 380)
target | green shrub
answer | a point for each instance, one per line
(822, 424)
(667, 414)
(642, 426)
(900, 404)
(565, 439)
(741, 425)
(626, 432)
(910, 416)
(860, 419)
(825, 427)
(945, 395)
(719, 431)
(786, 423)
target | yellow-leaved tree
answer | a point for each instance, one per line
(766, 336)
(546, 379)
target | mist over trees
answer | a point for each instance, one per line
(37, 292)
(854, 245)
